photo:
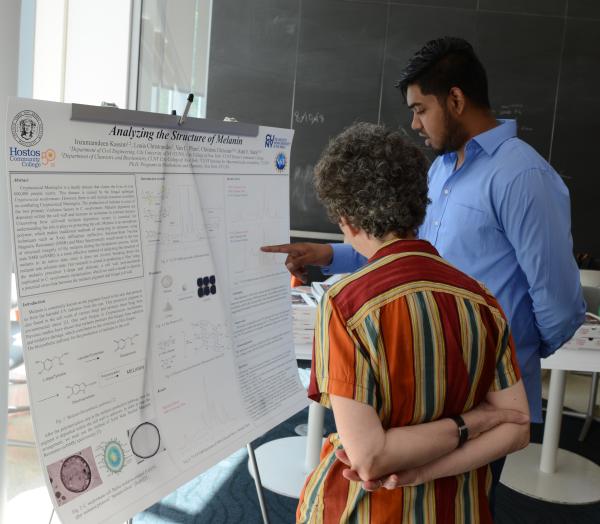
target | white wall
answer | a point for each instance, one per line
(9, 53)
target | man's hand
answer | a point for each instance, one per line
(480, 419)
(302, 254)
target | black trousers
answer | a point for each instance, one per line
(496, 468)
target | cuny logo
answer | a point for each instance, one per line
(275, 141)
(27, 128)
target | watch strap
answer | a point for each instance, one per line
(463, 430)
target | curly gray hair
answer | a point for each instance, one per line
(373, 178)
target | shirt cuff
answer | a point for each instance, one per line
(345, 260)
(550, 345)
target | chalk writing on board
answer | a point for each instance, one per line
(514, 112)
(302, 188)
(510, 110)
(304, 117)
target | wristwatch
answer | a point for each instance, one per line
(463, 430)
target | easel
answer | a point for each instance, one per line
(5, 273)
(114, 116)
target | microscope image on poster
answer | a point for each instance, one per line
(73, 476)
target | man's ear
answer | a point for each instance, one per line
(456, 101)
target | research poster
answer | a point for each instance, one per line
(157, 337)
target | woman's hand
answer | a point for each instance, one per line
(410, 477)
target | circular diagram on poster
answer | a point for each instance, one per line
(75, 474)
(114, 457)
(145, 440)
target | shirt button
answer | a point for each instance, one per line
(436, 223)
(446, 191)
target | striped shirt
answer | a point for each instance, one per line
(417, 339)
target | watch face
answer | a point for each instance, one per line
(75, 474)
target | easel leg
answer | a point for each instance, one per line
(259, 489)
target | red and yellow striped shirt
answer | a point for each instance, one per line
(417, 339)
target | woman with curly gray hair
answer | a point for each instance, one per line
(414, 357)
(373, 179)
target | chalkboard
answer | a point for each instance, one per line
(320, 65)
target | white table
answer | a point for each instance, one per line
(284, 463)
(545, 471)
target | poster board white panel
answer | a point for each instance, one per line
(157, 337)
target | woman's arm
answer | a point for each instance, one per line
(374, 452)
(491, 445)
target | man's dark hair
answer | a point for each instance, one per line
(445, 63)
(374, 179)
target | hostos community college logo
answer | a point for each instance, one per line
(27, 128)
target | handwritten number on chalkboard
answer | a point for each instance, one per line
(303, 117)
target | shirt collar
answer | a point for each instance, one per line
(492, 139)
(393, 247)
(489, 140)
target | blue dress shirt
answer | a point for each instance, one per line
(504, 218)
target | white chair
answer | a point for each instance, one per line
(592, 299)
(590, 278)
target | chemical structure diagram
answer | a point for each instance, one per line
(152, 235)
(207, 337)
(153, 198)
(166, 352)
(171, 216)
(155, 215)
(47, 364)
(123, 343)
(78, 389)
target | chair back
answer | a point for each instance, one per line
(589, 277)
(592, 299)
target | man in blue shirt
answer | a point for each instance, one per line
(498, 210)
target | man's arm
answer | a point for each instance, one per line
(345, 259)
(374, 452)
(332, 258)
(534, 210)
